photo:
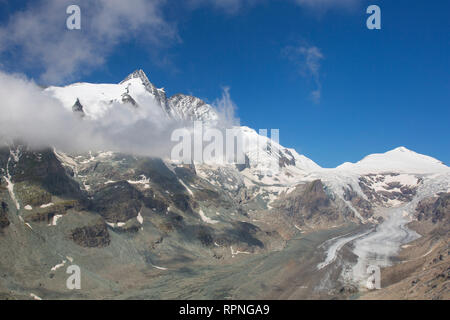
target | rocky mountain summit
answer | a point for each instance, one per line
(128, 220)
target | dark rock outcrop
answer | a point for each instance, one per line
(77, 108)
(284, 161)
(117, 202)
(4, 222)
(92, 236)
(126, 98)
(31, 194)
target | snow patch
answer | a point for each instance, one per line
(139, 218)
(187, 188)
(115, 225)
(205, 218)
(55, 219)
(35, 297)
(159, 268)
(235, 253)
(60, 265)
(10, 187)
(144, 181)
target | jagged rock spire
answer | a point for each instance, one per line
(78, 108)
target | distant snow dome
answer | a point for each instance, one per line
(398, 160)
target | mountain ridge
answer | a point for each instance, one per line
(188, 107)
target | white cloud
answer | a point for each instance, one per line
(307, 59)
(233, 6)
(38, 35)
(226, 108)
(324, 4)
(229, 6)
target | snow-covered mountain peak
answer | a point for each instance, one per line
(158, 93)
(400, 159)
(401, 149)
(138, 74)
(179, 106)
(97, 99)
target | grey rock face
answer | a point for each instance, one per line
(309, 204)
(126, 98)
(288, 160)
(43, 169)
(435, 209)
(362, 205)
(391, 191)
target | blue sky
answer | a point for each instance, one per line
(379, 89)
